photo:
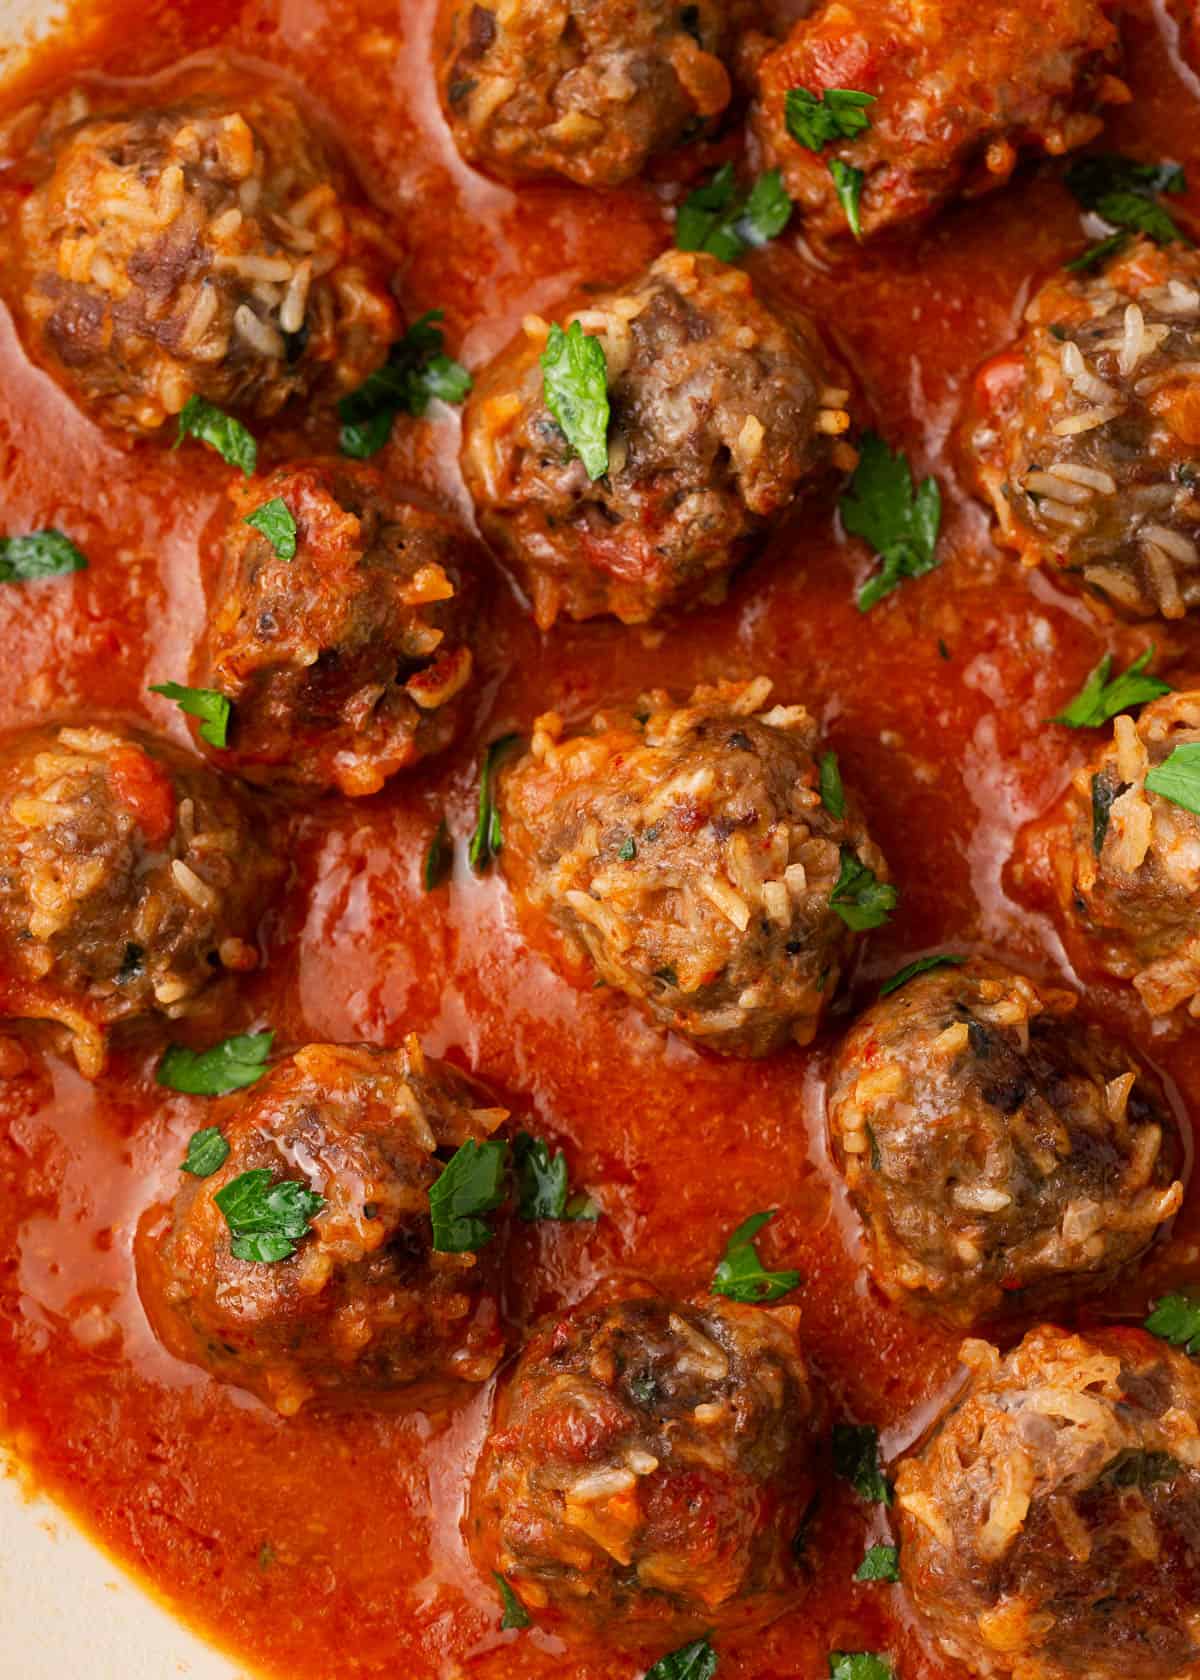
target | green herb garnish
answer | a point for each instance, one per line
(438, 858)
(1097, 254)
(881, 1563)
(220, 431)
(697, 1661)
(856, 1459)
(40, 554)
(542, 1183)
(575, 386)
(723, 220)
(213, 709)
(833, 795)
(471, 1185)
(487, 842)
(515, 1614)
(266, 1219)
(860, 898)
(276, 522)
(1099, 699)
(1176, 1318)
(1177, 778)
(740, 1275)
(923, 965)
(228, 1066)
(900, 523)
(417, 370)
(838, 114)
(858, 1665)
(206, 1152)
(1125, 193)
(848, 184)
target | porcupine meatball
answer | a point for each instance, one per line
(210, 246)
(1049, 1526)
(720, 413)
(960, 94)
(364, 1303)
(348, 658)
(589, 89)
(1000, 1153)
(130, 879)
(687, 851)
(1086, 436)
(649, 1466)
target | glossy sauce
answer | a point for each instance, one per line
(330, 1544)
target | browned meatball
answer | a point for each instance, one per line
(1086, 435)
(649, 1466)
(349, 658)
(209, 246)
(130, 878)
(960, 93)
(1000, 1153)
(589, 89)
(720, 411)
(1050, 1528)
(364, 1302)
(688, 852)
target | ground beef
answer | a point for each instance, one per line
(1086, 436)
(1050, 1527)
(962, 93)
(589, 89)
(364, 1304)
(721, 412)
(1001, 1154)
(687, 851)
(352, 659)
(648, 1467)
(130, 879)
(210, 246)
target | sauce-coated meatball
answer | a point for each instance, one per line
(589, 89)
(649, 1466)
(349, 660)
(206, 247)
(687, 850)
(994, 1145)
(961, 93)
(1050, 1529)
(1128, 876)
(365, 1303)
(719, 413)
(1087, 433)
(130, 878)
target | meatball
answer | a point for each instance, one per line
(130, 878)
(959, 94)
(1050, 1528)
(347, 655)
(649, 1466)
(208, 247)
(589, 89)
(364, 1303)
(993, 1145)
(1086, 436)
(720, 411)
(688, 852)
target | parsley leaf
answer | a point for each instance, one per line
(1097, 254)
(438, 858)
(740, 1275)
(575, 384)
(542, 1183)
(1176, 1318)
(206, 1151)
(220, 431)
(856, 1459)
(838, 114)
(833, 795)
(901, 525)
(212, 708)
(723, 220)
(1177, 778)
(1125, 193)
(1099, 699)
(923, 965)
(472, 1184)
(276, 522)
(40, 554)
(229, 1066)
(860, 898)
(848, 184)
(266, 1220)
(697, 1661)
(881, 1563)
(858, 1665)
(416, 371)
(515, 1613)
(487, 842)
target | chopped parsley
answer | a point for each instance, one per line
(471, 1185)
(740, 1275)
(438, 858)
(542, 1185)
(1126, 194)
(860, 898)
(206, 1152)
(1097, 254)
(628, 850)
(856, 1459)
(515, 1614)
(1104, 796)
(833, 795)
(575, 385)
(214, 710)
(923, 965)
(40, 554)
(881, 1563)
(697, 1661)
(1176, 1318)
(488, 840)
(1177, 778)
(838, 114)
(858, 1665)
(723, 219)
(1101, 699)
(266, 1219)
(229, 1066)
(277, 523)
(848, 184)
(417, 370)
(220, 431)
(900, 523)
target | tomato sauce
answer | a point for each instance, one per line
(330, 1543)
